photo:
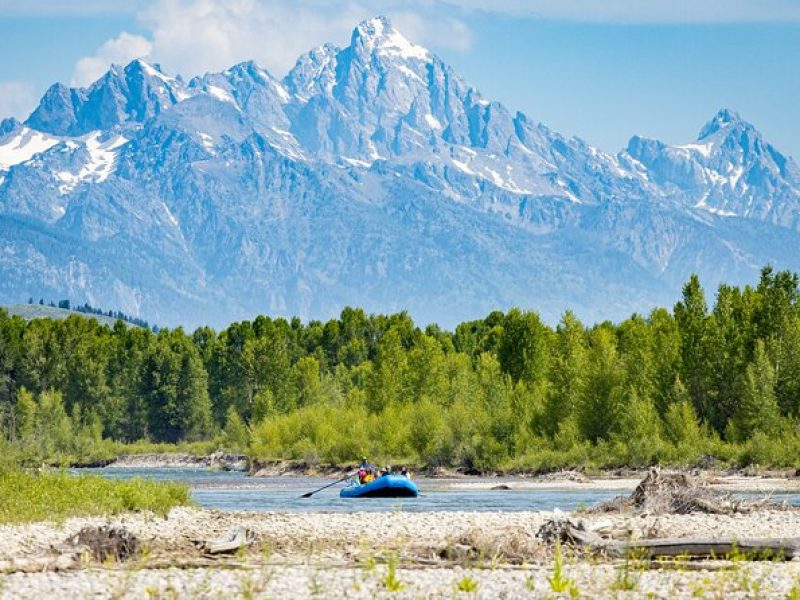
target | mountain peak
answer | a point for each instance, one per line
(376, 25)
(724, 118)
(132, 93)
(313, 70)
(249, 67)
(8, 125)
(139, 64)
(378, 35)
(148, 70)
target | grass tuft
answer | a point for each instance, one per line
(27, 497)
(559, 582)
(467, 584)
(390, 580)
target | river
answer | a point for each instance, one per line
(231, 490)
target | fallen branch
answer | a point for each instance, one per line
(680, 493)
(233, 540)
(752, 549)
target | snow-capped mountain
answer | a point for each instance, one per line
(729, 171)
(370, 175)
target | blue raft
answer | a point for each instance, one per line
(386, 486)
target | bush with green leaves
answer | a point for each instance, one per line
(504, 392)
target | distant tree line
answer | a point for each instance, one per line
(87, 308)
(507, 391)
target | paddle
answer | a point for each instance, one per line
(325, 487)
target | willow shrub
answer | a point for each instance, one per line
(541, 456)
(424, 433)
(314, 434)
(26, 497)
(781, 450)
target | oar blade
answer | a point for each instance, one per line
(307, 495)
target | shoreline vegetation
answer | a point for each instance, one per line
(55, 496)
(697, 387)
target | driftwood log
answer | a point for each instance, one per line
(233, 540)
(755, 549)
(679, 493)
(752, 549)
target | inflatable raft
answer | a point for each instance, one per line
(387, 486)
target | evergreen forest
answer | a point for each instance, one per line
(706, 381)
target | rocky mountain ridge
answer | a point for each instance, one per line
(369, 175)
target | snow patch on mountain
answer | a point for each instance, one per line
(100, 158)
(379, 35)
(220, 94)
(704, 149)
(283, 94)
(432, 121)
(20, 146)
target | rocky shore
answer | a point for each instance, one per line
(218, 460)
(349, 555)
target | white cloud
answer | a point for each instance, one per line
(51, 8)
(119, 50)
(642, 11)
(625, 11)
(17, 99)
(195, 36)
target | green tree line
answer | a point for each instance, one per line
(506, 391)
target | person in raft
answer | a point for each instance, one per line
(366, 471)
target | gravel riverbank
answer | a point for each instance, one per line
(345, 555)
(218, 460)
(333, 581)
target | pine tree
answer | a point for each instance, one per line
(681, 426)
(666, 350)
(174, 386)
(758, 409)
(692, 315)
(787, 372)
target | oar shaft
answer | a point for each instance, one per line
(325, 487)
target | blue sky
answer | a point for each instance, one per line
(600, 69)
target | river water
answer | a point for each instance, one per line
(223, 490)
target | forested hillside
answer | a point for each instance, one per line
(63, 310)
(502, 392)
